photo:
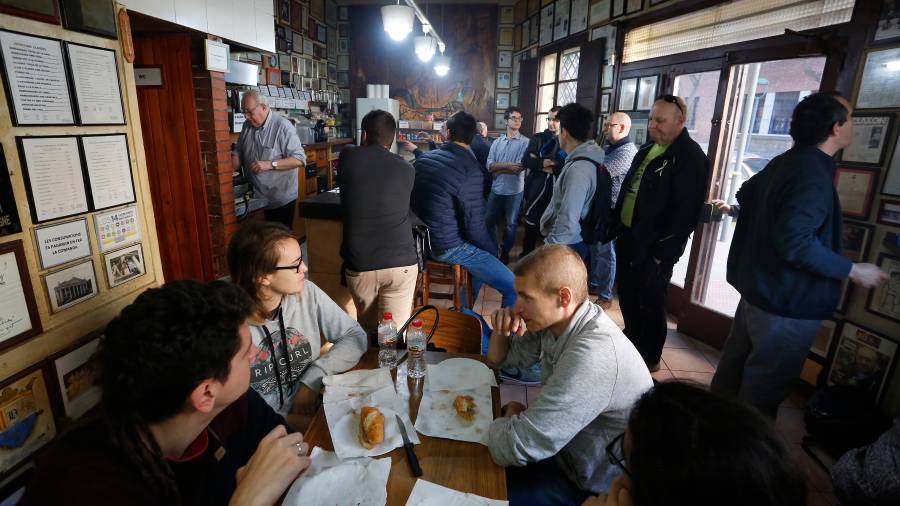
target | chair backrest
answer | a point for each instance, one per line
(457, 332)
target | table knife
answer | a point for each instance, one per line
(408, 445)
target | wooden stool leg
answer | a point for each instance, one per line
(426, 287)
(457, 285)
(468, 281)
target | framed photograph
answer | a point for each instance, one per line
(561, 19)
(525, 33)
(96, 17)
(343, 79)
(62, 243)
(40, 10)
(499, 121)
(124, 265)
(49, 165)
(646, 92)
(27, 411)
(639, 131)
(35, 80)
(599, 11)
(343, 46)
(618, 8)
(604, 102)
(284, 12)
(502, 100)
(117, 228)
(579, 16)
(879, 86)
(889, 212)
(627, 94)
(884, 300)
(633, 6)
(19, 319)
(891, 184)
(857, 237)
(331, 13)
(321, 33)
(606, 78)
(12, 492)
(71, 285)
(503, 80)
(821, 343)
(108, 167)
(534, 33)
(343, 14)
(862, 359)
(506, 37)
(855, 188)
(889, 23)
(870, 138)
(547, 19)
(504, 59)
(76, 375)
(9, 213)
(506, 14)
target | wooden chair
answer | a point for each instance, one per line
(443, 274)
(457, 332)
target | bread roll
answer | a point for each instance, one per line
(371, 427)
(465, 407)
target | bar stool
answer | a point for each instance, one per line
(443, 274)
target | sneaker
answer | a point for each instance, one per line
(517, 376)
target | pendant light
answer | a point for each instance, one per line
(398, 20)
(442, 63)
(424, 47)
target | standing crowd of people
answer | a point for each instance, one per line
(207, 388)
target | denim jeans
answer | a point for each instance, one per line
(603, 268)
(762, 357)
(507, 207)
(542, 483)
(485, 269)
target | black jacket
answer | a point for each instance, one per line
(375, 189)
(668, 202)
(539, 184)
(481, 147)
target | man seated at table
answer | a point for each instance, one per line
(178, 423)
(591, 376)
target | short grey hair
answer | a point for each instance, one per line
(259, 97)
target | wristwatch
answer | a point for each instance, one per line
(274, 164)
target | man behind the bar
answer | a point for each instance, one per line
(269, 149)
(591, 376)
(505, 165)
(378, 246)
(658, 207)
(785, 258)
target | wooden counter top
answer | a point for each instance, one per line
(332, 142)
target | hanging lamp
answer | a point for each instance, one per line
(398, 20)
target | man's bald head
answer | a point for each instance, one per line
(617, 127)
(555, 266)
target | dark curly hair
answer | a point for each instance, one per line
(814, 118)
(693, 447)
(155, 353)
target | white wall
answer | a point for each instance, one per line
(249, 22)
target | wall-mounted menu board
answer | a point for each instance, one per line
(37, 86)
(95, 77)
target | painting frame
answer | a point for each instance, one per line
(16, 248)
(646, 92)
(848, 189)
(34, 375)
(61, 302)
(63, 364)
(50, 15)
(627, 95)
(869, 127)
(891, 206)
(843, 358)
(857, 240)
(890, 289)
(111, 265)
(74, 18)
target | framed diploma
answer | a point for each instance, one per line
(26, 408)
(854, 189)
(871, 133)
(62, 243)
(884, 300)
(71, 285)
(892, 179)
(76, 376)
(561, 19)
(599, 11)
(19, 318)
(579, 16)
(41, 10)
(9, 214)
(53, 177)
(124, 265)
(37, 86)
(95, 78)
(879, 86)
(546, 34)
(634, 6)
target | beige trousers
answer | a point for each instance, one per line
(375, 292)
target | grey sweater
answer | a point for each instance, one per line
(591, 377)
(307, 317)
(572, 194)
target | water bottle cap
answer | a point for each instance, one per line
(417, 323)
(387, 316)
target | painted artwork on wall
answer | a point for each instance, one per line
(26, 418)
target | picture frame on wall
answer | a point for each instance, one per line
(646, 93)
(343, 79)
(27, 397)
(75, 374)
(502, 100)
(61, 243)
(13, 490)
(107, 164)
(296, 17)
(862, 359)
(95, 81)
(857, 237)
(124, 264)
(891, 184)
(503, 80)
(604, 102)
(504, 59)
(534, 32)
(618, 8)
(579, 16)
(561, 19)
(879, 85)
(96, 17)
(506, 14)
(505, 39)
(29, 59)
(884, 300)
(547, 19)
(284, 12)
(855, 188)
(627, 94)
(639, 131)
(499, 121)
(633, 6)
(117, 228)
(39, 10)
(599, 12)
(331, 13)
(321, 33)
(17, 305)
(821, 343)
(871, 135)
(525, 33)
(9, 213)
(606, 76)
(317, 9)
(888, 26)
(889, 212)
(343, 14)
(71, 285)
(49, 163)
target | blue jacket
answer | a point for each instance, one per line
(785, 257)
(448, 197)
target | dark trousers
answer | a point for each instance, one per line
(642, 296)
(532, 232)
(541, 483)
(283, 214)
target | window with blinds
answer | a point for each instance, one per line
(731, 23)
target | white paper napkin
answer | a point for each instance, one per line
(438, 418)
(329, 481)
(425, 493)
(459, 374)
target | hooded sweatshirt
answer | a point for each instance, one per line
(591, 377)
(572, 194)
(306, 316)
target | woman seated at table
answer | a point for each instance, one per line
(291, 314)
(687, 446)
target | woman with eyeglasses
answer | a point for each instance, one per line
(687, 446)
(291, 313)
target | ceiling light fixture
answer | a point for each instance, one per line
(398, 20)
(425, 46)
(441, 63)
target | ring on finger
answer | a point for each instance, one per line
(299, 448)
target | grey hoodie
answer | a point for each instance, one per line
(591, 377)
(572, 193)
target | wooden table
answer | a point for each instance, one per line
(459, 465)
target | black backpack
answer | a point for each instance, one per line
(593, 225)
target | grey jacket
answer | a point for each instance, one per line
(572, 193)
(591, 377)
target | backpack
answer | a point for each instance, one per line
(593, 225)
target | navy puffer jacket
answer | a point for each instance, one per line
(447, 196)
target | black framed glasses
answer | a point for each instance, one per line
(295, 268)
(672, 99)
(515, 118)
(615, 451)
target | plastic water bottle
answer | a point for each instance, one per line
(415, 346)
(387, 341)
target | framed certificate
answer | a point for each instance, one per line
(639, 131)
(857, 237)
(879, 86)
(579, 16)
(561, 19)
(627, 94)
(62, 243)
(871, 134)
(884, 300)
(41, 10)
(19, 318)
(95, 78)
(546, 33)
(35, 79)
(646, 93)
(599, 11)
(108, 167)
(9, 214)
(54, 178)
(855, 188)
(889, 212)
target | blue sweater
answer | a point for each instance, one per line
(785, 257)
(448, 197)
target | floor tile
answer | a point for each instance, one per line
(700, 378)
(532, 394)
(662, 375)
(675, 340)
(509, 392)
(712, 356)
(698, 344)
(686, 360)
